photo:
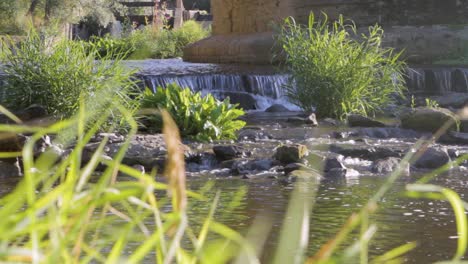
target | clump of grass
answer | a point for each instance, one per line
(335, 71)
(164, 44)
(57, 75)
(199, 117)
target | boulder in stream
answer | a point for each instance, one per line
(277, 108)
(432, 158)
(227, 152)
(427, 119)
(291, 153)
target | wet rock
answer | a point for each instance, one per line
(453, 137)
(201, 161)
(12, 142)
(343, 134)
(334, 163)
(427, 119)
(147, 150)
(111, 137)
(464, 125)
(228, 152)
(331, 122)
(454, 100)
(253, 134)
(277, 108)
(8, 169)
(87, 155)
(367, 152)
(355, 120)
(250, 166)
(387, 132)
(341, 173)
(245, 100)
(310, 120)
(387, 165)
(432, 158)
(291, 153)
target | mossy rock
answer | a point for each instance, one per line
(428, 119)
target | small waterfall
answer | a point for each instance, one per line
(437, 80)
(416, 79)
(254, 91)
(268, 85)
(197, 82)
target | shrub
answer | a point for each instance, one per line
(165, 43)
(336, 71)
(108, 47)
(59, 76)
(200, 118)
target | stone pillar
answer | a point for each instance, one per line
(179, 14)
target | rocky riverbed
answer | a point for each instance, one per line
(276, 143)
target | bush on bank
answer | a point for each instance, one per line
(336, 71)
(60, 74)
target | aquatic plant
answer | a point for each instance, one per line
(57, 74)
(335, 71)
(199, 117)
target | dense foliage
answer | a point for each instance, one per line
(17, 15)
(163, 44)
(199, 117)
(148, 42)
(335, 71)
(108, 47)
(58, 75)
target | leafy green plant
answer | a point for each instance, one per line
(57, 75)
(431, 103)
(200, 118)
(110, 48)
(337, 72)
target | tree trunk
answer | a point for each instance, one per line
(47, 10)
(32, 7)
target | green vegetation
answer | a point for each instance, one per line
(109, 48)
(59, 75)
(163, 44)
(60, 213)
(19, 15)
(148, 43)
(200, 118)
(338, 72)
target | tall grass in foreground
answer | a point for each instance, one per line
(336, 71)
(59, 214)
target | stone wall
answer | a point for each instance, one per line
(415, 25)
